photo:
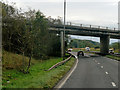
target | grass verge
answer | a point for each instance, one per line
(37, 78)
(113, 57)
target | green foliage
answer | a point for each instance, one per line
(113, 57)
(37, 78)
(115, 45)
(27, 33)
(75, 43)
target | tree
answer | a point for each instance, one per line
(27, 33)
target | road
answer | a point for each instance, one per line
(94, 72)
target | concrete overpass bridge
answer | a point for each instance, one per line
(105, 33)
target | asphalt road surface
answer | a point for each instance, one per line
(94, 72)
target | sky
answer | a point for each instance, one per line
(94, 12)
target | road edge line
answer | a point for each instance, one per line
(65, 78)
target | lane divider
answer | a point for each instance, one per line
(113, 84)
(106, 72)
(101, 66)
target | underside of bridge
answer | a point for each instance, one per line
(104, 44)
(104, 35)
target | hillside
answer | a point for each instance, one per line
(115, 45)
(37, 77)
(75, 43)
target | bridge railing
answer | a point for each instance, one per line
(92, 26)
(89, 26)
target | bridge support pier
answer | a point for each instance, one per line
(104, 44)
(62, 43)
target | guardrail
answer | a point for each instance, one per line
(89, 26)
(59, 63)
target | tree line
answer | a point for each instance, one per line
(27, 33)
(76, 43)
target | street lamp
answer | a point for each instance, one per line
(119, 25)
(64, 23)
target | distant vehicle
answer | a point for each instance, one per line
(80, 53)
(87, 48)
(111, 51)
(70, 49)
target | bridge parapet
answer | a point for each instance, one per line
(86, 30)
(89, 26)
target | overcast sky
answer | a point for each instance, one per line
(95, 12)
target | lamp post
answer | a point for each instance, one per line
(119, 25)
(64, 24)
(63, 34)
(64, 15)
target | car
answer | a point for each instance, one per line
(111, 51)
(80, 53)
(70, 49)
(87, 48)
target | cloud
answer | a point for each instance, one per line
(95, 12)
(66, 0)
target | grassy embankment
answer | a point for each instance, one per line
(37, 78)
(113, 57)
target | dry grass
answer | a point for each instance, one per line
(14, 61)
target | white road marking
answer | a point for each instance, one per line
(114, 85)
(101, 66)
(111, 59)
(63, 82)
(116, 61)
(98, 63)
(106, 72)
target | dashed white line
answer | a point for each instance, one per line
(114, 85)
(101, 66)
(98, 63)
(106, 72)
(95, 61)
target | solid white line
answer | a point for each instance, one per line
(111, 59)
(101, 66)
(114, 85)
(106, 72)
(68, 75)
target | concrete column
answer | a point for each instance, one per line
(104, 44)
(62, 43)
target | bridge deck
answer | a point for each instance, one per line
(86, 31)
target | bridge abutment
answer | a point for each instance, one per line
(104, 44)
